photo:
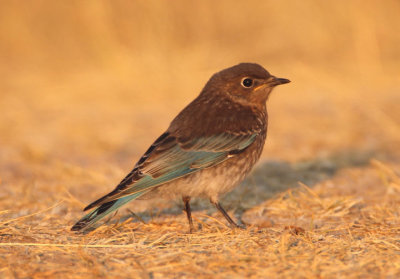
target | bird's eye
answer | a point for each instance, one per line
(247, 82)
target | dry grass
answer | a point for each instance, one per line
(304, 232)
(86, 87)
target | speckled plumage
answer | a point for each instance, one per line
(209, 147)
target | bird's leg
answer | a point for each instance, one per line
(227, 217)
(186, 203)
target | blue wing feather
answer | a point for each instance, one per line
(178, 161)
(166, 160)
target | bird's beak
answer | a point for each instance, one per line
(274, 81)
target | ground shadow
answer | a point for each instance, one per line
(270, 178)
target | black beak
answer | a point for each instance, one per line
(274, 81)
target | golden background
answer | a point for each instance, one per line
(95, 76)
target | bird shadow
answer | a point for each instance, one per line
(273, 177)
(270, 178)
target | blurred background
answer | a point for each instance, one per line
(86, 86)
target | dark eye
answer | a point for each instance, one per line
(247, 82)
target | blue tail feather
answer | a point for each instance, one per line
(103, 210)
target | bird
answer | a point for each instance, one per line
(207, 150)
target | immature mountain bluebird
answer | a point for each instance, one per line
(208, 148)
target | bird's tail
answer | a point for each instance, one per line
(103, 210)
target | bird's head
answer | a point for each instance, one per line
(245, 82)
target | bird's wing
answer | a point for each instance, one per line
(170, 158)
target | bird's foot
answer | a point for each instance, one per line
(241, 226)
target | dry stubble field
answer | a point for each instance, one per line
(82, 97)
